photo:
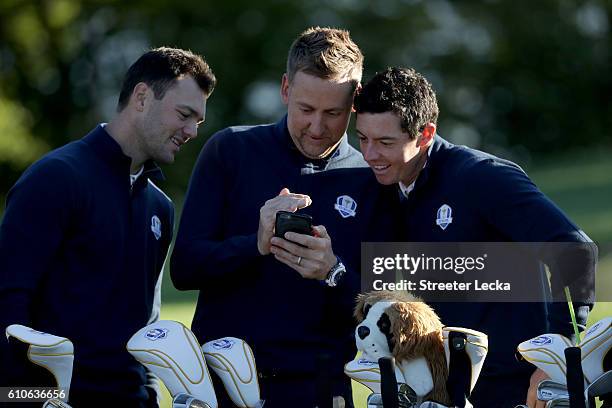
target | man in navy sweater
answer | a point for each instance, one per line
(491, 200)
(291, 303)
(86, 232)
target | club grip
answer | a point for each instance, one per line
(575, 377)
(388, 382)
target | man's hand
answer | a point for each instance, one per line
(532, 394)
(313, 260)
(284, 201)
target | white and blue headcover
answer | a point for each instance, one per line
(233, 361)
(547, 352)
(476, 348)
(171, 351)
(54, 353)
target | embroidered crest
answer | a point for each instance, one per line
(541, 340)
(156, 226)
(346, 206)
(156, 334)
(223, 344)
(444, 216)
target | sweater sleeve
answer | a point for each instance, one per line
(517, 208)
(36, 218)
(201, 252)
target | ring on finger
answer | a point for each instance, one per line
(299, 261)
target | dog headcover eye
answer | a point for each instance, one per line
(384, 324)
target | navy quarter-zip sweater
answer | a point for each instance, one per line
(493, 200)
(288, 320)
(81, 252)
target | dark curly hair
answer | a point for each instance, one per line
(404, 92)
(160, 67)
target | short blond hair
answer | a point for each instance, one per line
(326, 53)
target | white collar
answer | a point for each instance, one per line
(134, 177)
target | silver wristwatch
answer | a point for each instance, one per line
(335, 274)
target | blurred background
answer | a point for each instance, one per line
(530, 81)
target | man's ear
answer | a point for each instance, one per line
(357, 91)
(140, 93)
(284, 89)
(427, 135)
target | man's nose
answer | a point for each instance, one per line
(191, 130)
(363, 332)
(317, 126)
(369, 151)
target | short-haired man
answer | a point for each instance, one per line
(86, 232)
(492, 200)
(288, 298)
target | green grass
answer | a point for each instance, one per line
(579, 183)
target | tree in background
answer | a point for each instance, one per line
(512, 78)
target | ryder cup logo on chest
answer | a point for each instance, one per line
(346, 206)
(156, 227)
(444, 217)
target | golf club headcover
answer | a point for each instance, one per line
(547, 352)
(475, 348)
(54, 353)
(596, 349)
(417, 375)
(367, 373)
(172, 352)
(364, 372)
(233, 361)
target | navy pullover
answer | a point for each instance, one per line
(287, 319)
(80, 256)
(493, 200)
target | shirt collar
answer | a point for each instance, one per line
(109, 150)
(404, 189)
(308, 165)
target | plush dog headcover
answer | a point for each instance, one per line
(411, 330)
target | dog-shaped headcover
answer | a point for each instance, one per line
(400, 325)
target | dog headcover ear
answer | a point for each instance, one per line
(416, 329)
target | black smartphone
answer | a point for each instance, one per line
(287, 221)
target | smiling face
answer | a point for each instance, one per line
(171, 121)
(318, 112)
(390, 152)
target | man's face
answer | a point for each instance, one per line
(389, 151)
(173, 120)
(318, 112)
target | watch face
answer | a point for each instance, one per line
(336, 275)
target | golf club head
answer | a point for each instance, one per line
(598, 388)
(233, 361)
(188, 401)
(429, 404)
(55, 403)
(596, 349)
(172, 352)
(54, 353)
(374, 401)
(548, 390)
(476, 348)
(559, 402)
(547, 352)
